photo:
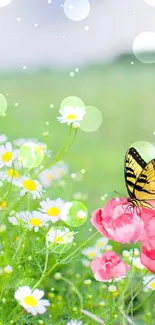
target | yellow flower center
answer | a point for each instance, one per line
(7, 156)
(59, 239)
(49, 176)
(30, 301)
(3, 205)
(91, 254)
(53, 212)
(30, 185)
(71, 117)
(13, 173)
(99, 245)
(35, 222)
(153, 285)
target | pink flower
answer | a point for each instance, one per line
(148, 256)
(108, 267)
(148, 217)
(119, 221)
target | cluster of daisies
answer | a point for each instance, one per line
(49, 211)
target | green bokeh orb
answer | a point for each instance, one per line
(31, 155)
(76, 214)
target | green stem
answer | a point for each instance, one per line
(74, 288)
(82, 245)
(143, 302)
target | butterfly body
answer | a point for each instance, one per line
(140, 179)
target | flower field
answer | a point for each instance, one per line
(70, 255)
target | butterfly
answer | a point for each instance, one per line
(139, 178)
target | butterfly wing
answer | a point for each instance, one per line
(144, 188)
(134, 165)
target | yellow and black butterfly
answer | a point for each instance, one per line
(139, 178)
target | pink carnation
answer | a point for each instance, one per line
(119, 221)
(148, 256)
(108, 267)
(148, 217)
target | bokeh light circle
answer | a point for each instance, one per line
(75, 213)
(72, 101)
(92, 120)
(4, 3)
(144, 47)
(3, 104)
(76, 9)
(145, 149)
(150, 2)
(30, 155)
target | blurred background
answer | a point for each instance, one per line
(52, 49)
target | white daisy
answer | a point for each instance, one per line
(74, 322)
(32, 220)
(71, 114)
(31, 186)
(149, 281)
(91, 252)
(31, 300)
(52, 209)
(7, 155)
(102, 242)
(56, 172)
(13, 176)
(60, 235)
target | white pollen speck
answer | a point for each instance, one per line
(24, 67)
(18, 19)
(36, 25)
(86, 28)
(16, 104)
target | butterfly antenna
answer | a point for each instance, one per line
(121, 195)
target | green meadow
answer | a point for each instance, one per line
(125, 94)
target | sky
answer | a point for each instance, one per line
(35, 33)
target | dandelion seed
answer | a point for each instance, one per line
(18, 19)
(31, 300)
(16, 104)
